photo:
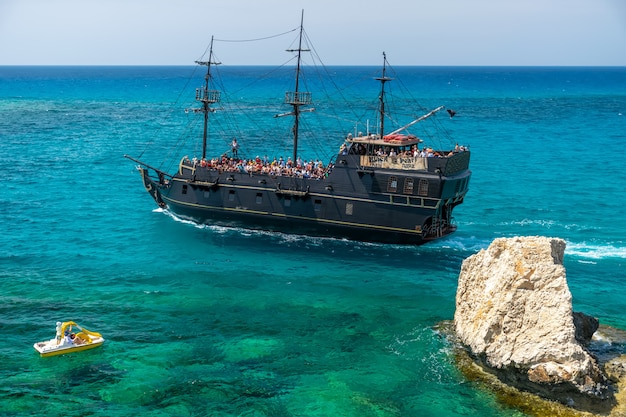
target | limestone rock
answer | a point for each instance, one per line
(514, 312)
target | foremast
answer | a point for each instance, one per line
(207, 97)
(297, 98)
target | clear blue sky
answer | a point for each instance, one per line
(343, 32)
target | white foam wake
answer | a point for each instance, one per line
(593, 251)
(582, 250)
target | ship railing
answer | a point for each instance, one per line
(451, 164)
(447, 165)
(394, 162)
(208, 96)
(299, 98)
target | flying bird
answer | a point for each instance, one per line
(451, 112)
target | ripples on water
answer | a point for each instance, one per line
(218, 321)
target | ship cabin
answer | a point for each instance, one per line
(402, 152)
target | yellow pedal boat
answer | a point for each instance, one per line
(68, 340)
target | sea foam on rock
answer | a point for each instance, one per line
(514, 313)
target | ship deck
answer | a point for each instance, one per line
(390, 140)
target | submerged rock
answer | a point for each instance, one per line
(514, 313)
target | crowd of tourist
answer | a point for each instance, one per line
(263, 165)
(403, 151)
(300, 168)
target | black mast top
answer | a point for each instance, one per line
(207, 97)
(297, 98)
(383, 79)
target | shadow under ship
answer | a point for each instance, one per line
(379, 187)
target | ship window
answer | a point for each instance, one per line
(185, 189)
(259, 198)
(408, 186)
(287, 201)
(392, 184)
(423, 188)
(231, 195)
(206, 194)
(318, 205)
(349, 209)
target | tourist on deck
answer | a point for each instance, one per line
(235, 147)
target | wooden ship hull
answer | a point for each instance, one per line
(378, 187)
(354, 201)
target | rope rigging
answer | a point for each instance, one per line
(239, 109)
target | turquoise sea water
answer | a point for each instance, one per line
(229, 322)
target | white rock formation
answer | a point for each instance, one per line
(514, 311)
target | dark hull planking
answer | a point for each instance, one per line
(352, 202)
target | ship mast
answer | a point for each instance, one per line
(297, 98)
(207, 97)
(383, 79)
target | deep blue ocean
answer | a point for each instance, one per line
(208, 321)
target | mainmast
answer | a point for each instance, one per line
(207, 97)
(383, 79)
(298, 98)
